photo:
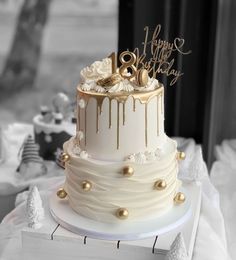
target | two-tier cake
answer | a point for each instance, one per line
(120, 164)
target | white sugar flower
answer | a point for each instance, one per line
(98, 70)
(116, 88)
(99, 89)
(127, 86)
(150, 156)
(83, 154)
(86, 87)
(76, 149)
(140, 158)
(131, 158)
(158, 153)
(124, 85)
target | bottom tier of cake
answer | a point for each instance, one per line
(133, 190)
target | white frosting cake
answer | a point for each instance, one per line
(120, 164)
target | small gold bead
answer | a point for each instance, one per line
(122, 213)
(61, 193)
(179, 198)
(65, 157)
(86, 185)
(160, 185)
(128, 171)
(181, 156)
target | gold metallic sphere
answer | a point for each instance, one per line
(61, 193)
(142, 77)
(122, 213)
(160, 185)
(179, 198)
(86, 185)
(181, 155)
(65, 157)
(128, 171)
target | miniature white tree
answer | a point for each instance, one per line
(177, 250)
(34, 209)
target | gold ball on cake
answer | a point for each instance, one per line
(65, 157)
(61, 193)
(122, 213)
(181, 155)
(86, 185)
(160, 185)
(179, 198)
(142, 77)
(128, 171)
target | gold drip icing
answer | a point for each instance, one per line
(85, 125)
(118, 126)
(146, 118)
(134, 105)
(161, 103)
(142, 96)
(77, 115)
(97, 119)
(121, 97)
(110, 113)
(123, 113)
(78, 125)
(158, 130)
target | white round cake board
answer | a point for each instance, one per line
(122, 230)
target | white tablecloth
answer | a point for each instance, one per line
(210, 240)
(223, 176)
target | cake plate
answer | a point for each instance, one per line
(69, 219)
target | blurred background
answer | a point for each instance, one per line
(45, 43)
(43, 46)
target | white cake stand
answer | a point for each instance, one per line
(69, 219)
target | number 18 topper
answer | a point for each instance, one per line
(141, 75)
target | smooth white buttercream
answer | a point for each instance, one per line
(102, 145)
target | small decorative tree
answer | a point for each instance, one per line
(34, 209)
(31, 164)
(177, 250)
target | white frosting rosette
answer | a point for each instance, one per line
(98, 70)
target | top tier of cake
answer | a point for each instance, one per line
(122, 121)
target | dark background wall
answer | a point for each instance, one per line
(187, 103)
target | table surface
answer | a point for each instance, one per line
(210, 240)
(53, 236)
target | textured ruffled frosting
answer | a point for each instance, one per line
(111, 190)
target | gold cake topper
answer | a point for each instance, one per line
(161, 61)
(135, 64)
